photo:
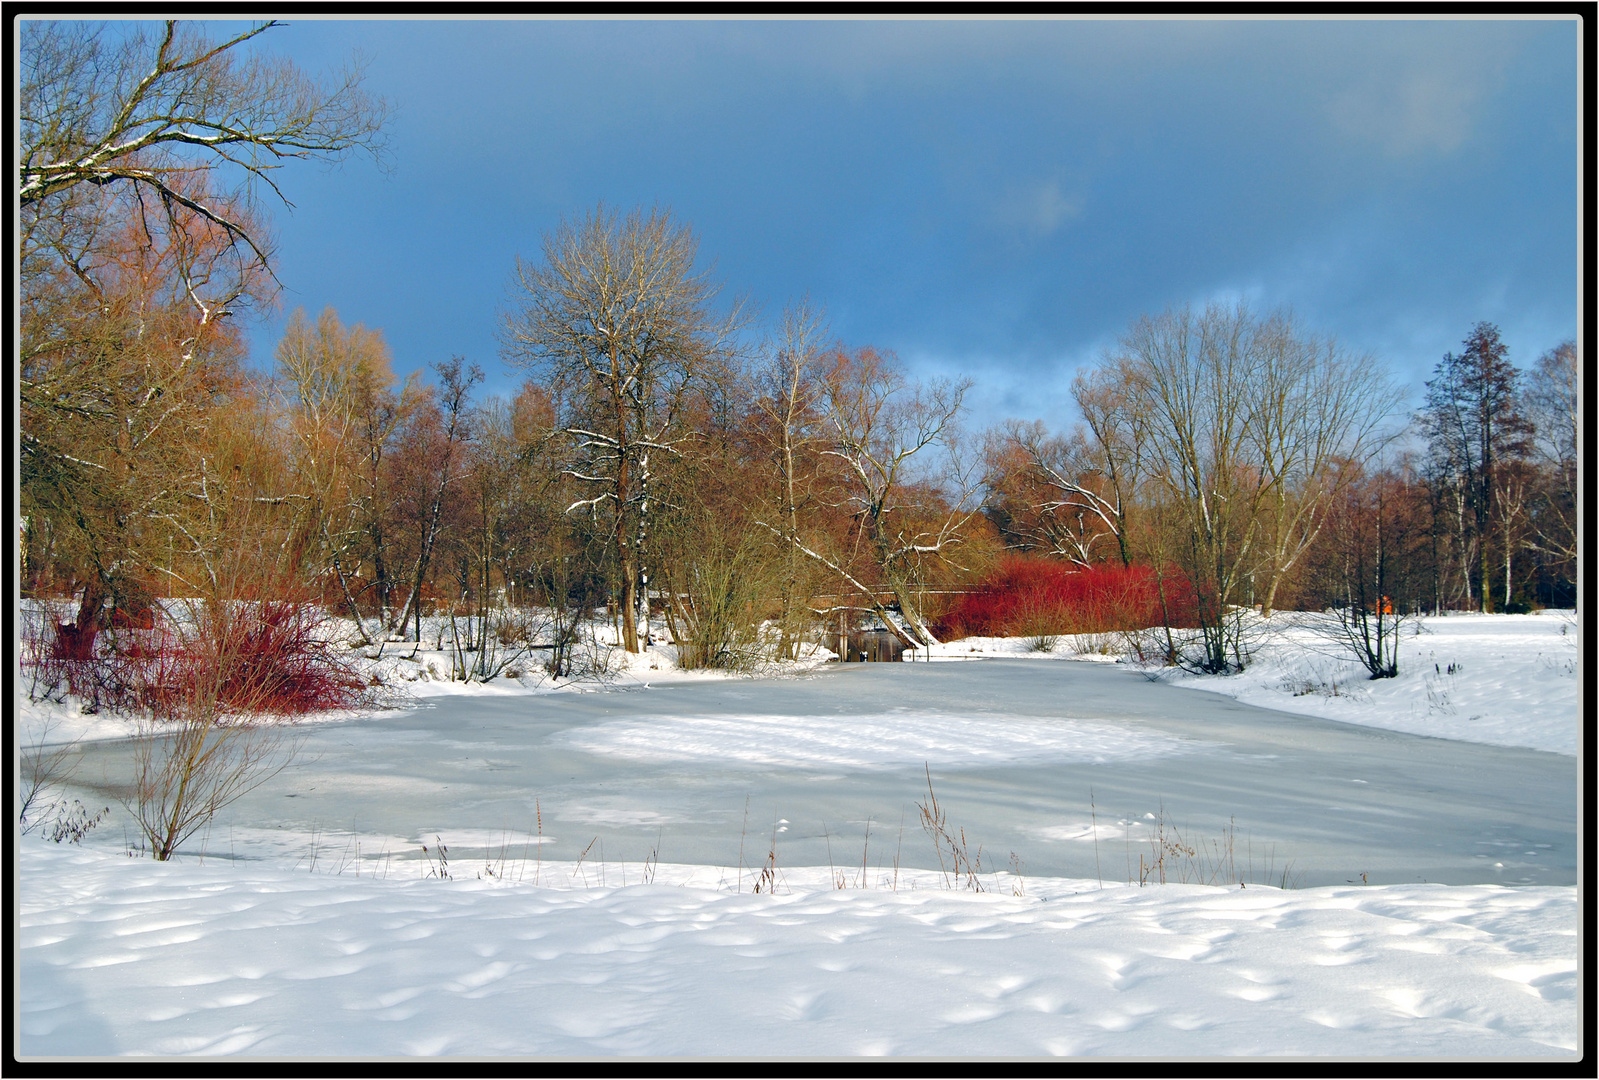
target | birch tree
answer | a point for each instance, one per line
(1553, 402)
(789, 391)
(616, 317)
(905, 511)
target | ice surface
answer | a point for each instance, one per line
(872, 741)
(1324, 800)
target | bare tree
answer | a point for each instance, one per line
(904, 513)
(717, 574)
(1238, 446)
(1119, 430)
(619, 320)
(1370, 572)
(1317, 408)
(133, 108)
(449, 432)
(503, 522)
(118, 384)
(1553, 403)
(341, 410)
(134, 251)
(789, 391)
(1054, 494)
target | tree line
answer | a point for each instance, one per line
(667, 453)
(1272, 467)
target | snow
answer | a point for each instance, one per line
(303, 943)
(871, 741)
(1515, 678)
(1502, 680)
(131, 957)
(414, 672)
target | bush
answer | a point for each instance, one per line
(269, 656)
(218, 682)
(1040, 598)
(260, 656)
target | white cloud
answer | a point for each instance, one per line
(1037, 209)
(1427, 108)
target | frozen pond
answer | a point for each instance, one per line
(1014, 748)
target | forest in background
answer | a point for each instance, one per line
(750, 481)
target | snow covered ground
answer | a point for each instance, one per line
(259, 957)
(121, 957)
(1504, 680)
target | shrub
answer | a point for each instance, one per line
(217, 683)
(259, 656)
(1034, 597)
(262, 656)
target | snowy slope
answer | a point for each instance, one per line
(1515, 681)
(132, 957)
(260, 957)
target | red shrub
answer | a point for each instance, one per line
(264, 656)
(133, 618)
(74, 643)
(256, 657)
(57, 656)
(1026, 596)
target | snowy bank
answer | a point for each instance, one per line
(132, 957)
(1504, 680)
(411, 673)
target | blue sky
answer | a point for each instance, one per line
(996, 199)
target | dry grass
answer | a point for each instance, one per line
(1170, 854)
(438, 860)
(1173, 856)
(961, 868)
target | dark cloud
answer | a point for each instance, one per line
(994, 197)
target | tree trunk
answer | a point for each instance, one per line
(355, 612)
(627, 609)
(1484, 520)
(1266, 605)
(913, 619)
(643, 568)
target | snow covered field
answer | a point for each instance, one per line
(257, 957)
(123, 957)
